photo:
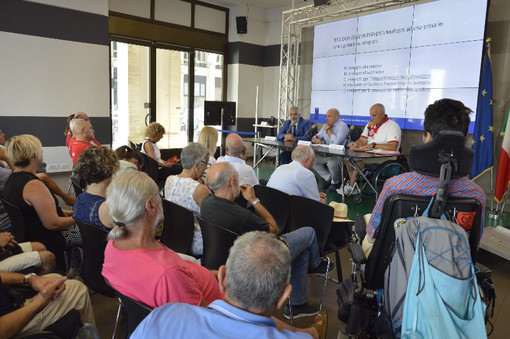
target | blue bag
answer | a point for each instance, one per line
(439, 305)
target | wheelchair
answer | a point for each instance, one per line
(445, 157)
(376, 175)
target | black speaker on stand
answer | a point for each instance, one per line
(242, 24)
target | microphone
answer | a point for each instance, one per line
(348, 135)
(311, 129)
(293, 123)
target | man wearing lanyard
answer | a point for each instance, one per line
(334, 131)
(381, 133)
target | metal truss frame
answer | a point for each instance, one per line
(293, 21)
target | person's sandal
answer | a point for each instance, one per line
(322, 328)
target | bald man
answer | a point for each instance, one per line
(297, 178)
(220, 208)
(236, 156)
(334, 131)
(379, 133)
(83, 136)
(70, 138)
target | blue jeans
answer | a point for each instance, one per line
(304, 253)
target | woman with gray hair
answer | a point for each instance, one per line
(139, 266)
(187, 190)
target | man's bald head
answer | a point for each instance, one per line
(219, 175)
(377, 113)
(82, 130)
(81, 115)
(234, 145)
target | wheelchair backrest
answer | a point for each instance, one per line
(396, 209)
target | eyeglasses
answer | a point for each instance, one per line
(207, 165)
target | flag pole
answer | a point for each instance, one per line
(504, 202)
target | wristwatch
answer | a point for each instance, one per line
(26, 280)
(256, 201)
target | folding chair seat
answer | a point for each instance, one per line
(217, 243)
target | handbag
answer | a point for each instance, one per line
(10, 250)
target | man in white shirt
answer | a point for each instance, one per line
(297, 178)
(236, 156)
(380, 133)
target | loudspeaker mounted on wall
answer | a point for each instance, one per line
(320, 2)
(242, 24)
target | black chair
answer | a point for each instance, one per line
(338, 238)
(309, 212)
(78, 185)
(277, 203)
(18, 226)
(66, 327)
(150, 166)
(178, 227)
(94, 243)
(135, 312)
(217, 243)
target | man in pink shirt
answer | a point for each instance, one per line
(135, 263)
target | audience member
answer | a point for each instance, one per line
(186, 189)
(69, 132)
(128, 159)
(43, 216)
(334, 131)
(6, 166)
(379, 133)
(297, 178)
(255, 282)
(220, 208)
(55, 297)
(15, 257)
(154, 133)
(209, 138)
(294, 129)
(95, 166)
(135, 263)
(444, 114)
(237, 153)
(83, 138)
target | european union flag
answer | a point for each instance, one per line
(484, 129)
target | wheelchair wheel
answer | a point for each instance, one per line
(385, 171)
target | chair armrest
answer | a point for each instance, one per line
(358, 256)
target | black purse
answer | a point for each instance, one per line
(10, 250)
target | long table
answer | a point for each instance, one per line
(346, 155)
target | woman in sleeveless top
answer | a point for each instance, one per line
(187, 190)
(154, 133)
(95, 166)
(44, 219)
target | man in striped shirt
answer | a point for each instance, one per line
(444, 114)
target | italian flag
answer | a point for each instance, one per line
(504, 163)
